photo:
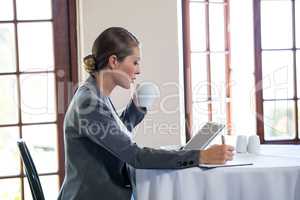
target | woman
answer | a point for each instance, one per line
(98, 143)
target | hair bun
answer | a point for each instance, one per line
(90, 63)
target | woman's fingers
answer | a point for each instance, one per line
(217, 154)
(229, 155)
(229, 152)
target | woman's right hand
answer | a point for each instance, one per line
(216, 154)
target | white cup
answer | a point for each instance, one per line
(241, 144)
(253, 144)
(146, 93)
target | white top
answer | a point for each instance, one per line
(117, 118)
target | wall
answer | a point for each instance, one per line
(156, 25)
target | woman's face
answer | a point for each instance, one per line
(127, 70)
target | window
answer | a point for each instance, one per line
(271, 74)
(277, 53)
(207, 63)
(34, 75)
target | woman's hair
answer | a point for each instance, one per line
(113, 41)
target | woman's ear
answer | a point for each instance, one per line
(112, 62)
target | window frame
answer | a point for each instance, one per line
(65, 73)
(187, 64)
(259, 77)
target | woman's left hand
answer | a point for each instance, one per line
(134, 98)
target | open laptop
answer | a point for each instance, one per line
(204, 136)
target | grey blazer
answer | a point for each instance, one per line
(97, 152)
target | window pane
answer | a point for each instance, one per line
(42, 144)
(7, 48)
(9, 155)
(49, 185)
(51, 191)
(6, 10)
(279, 120)
(200, 116)
(38, 98)
(218, 91)
(277, 70)
(27, 192)
(199, 77)
(34, 9)
(197, 24)
(297, 5)
(8, 100)
(216, 27)
(10, 189)
(276, 28)
(219, 111)
(35, 46)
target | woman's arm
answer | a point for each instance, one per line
(132, 115)
(94, 120)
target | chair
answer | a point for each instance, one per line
(33, 178)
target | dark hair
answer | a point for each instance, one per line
(113, 41)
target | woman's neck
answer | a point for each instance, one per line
(105, 82)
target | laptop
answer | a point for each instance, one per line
(204, 136)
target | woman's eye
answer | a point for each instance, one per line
(136, 63)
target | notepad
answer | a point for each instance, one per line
(238, 160)
(227, 164)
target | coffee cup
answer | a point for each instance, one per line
(146, 93)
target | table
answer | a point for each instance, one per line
(275, 175)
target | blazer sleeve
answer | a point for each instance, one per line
(132, 115)
(95, 121)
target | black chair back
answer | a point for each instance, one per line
(32, 175)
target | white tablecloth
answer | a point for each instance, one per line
(275, 175)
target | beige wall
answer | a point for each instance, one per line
(155, 23)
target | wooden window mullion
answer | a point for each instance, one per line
(295, 71)
(208, 66)
(227, 66)
(66, 68)
(187, 68)
(258, 70)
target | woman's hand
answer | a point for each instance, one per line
(135, 98)
(216, 154)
